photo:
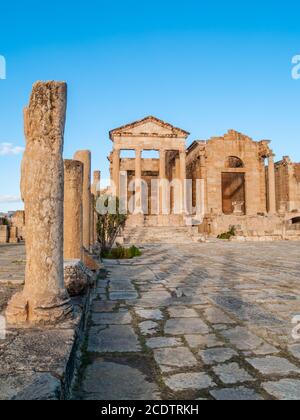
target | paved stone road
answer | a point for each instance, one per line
(12, 271)
(204, 321)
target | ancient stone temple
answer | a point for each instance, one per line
(136, 177)
(212, 185)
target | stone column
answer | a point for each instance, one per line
(271, 185)
(92, 219)
(138, 181)
(116, 171)
(162, 179)
(73, 210)
(84, 156)
(44, 298)
(183, 179)
(96, 193)
(96, 183)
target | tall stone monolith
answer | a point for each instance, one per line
(84, 156)
(44, 298)
(73, 210)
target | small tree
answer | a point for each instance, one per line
(109, 223)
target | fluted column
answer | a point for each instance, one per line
(183, 179)
(162, 179)
(138, 181)
(116, 171)
(271, 185)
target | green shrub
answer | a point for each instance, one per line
(121, 253)
(229, 234)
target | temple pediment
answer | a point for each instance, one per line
(149, 127)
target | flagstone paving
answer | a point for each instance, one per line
(199, 321)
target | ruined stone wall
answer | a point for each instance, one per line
(18, 221)
(217, 152)
(287, 185)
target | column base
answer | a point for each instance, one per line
(23, 309)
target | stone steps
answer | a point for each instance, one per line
(168, 235)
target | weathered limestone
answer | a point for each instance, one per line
(96, 183)
(76, 277)
(18, 220)
(4, 234)
(44, 298)
(13, 235)
(271, 185)
(84, 156)
(73, 220)
(92, 220)
(96, 194)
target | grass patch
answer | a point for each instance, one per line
(228, 235)
(121, 253)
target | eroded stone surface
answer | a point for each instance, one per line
(271, 365)
(114, 339)
(189, 381)
(217, 355)
(286, 389)
(232, 373)
(236, 394)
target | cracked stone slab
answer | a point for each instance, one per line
(232, 373)
(163, 342)
(178, 357)
(243, 339)
(115, 318)
(189, 381)
(216, 316)
(286, 389)
(155, 314)
(99, 306)
(217, 355)
(44, 388)
(123, 295)
(295, 350)
(236, 394)
(114, 339)
(182, 326)
(197, 340)
(272, 365)
(106, 381)
(148, 327)
(182, 312)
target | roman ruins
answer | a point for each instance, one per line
(234, 181)
(44, 297)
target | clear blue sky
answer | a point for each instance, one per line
(203, 66)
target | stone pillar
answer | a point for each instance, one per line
(4, 234)
(96, 192)
(84, 156)
(92, 218)
(203, 176)
(138, 181)
(96, 183)
(44, 298)
(162, 179)
(73, 210)
(183, 179)
(116, 171)
(271, 185)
